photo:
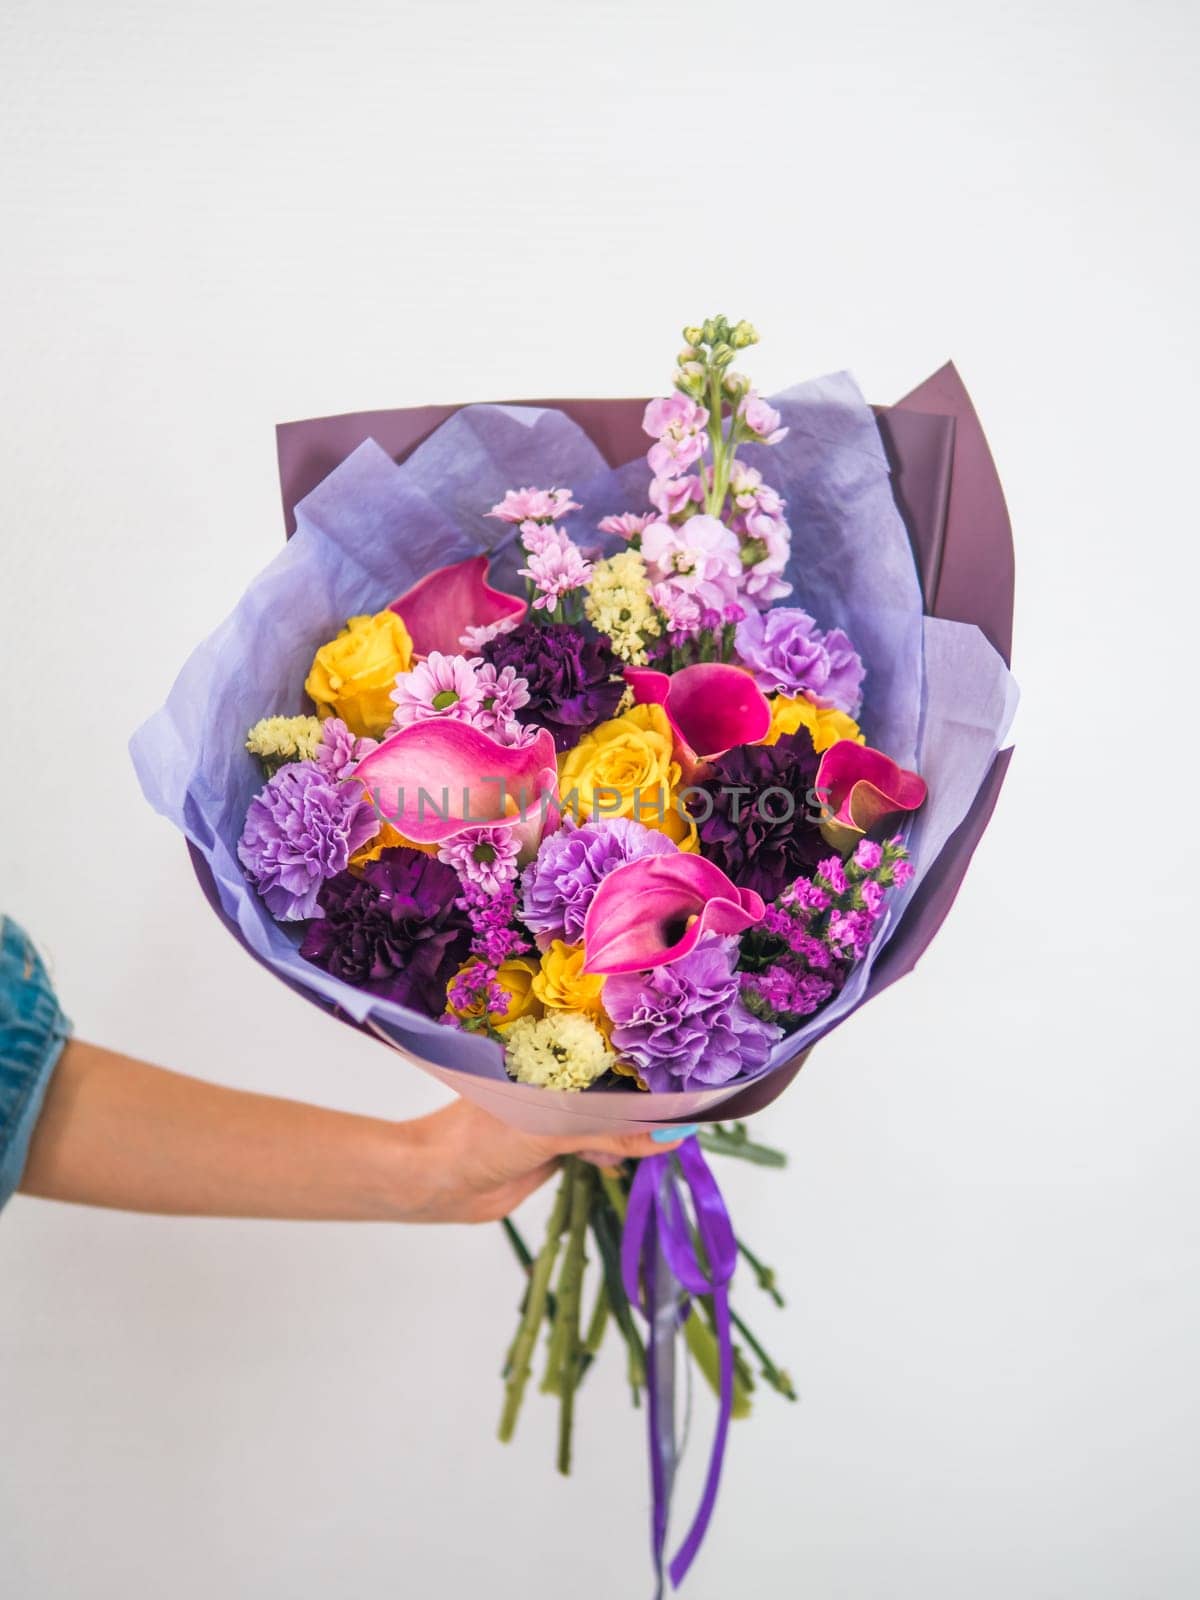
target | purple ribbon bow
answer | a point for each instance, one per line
(661, 1266)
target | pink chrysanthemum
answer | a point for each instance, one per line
(439, 686)
(557, 569)
(628, 525)
(483, 857)
(534, 505)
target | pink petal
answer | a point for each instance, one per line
(654, 910)
(861, 787)
(437, 777)
(711, 707)
(439, 610)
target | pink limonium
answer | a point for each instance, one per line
(534, 505)
(677, 422)
(447, 602)
(652, 911)
(439, 686)
(858, 788)
(711, 707)
(558, 568)
(701, 559)
(436, 778)
(761, 419)
(629, 525)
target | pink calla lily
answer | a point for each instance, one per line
(436, 778)
(439, 610)
(858, 788)
(654, 910)
(711, 707)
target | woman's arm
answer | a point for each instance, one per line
(116, 1132)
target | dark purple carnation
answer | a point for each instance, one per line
(758, 832)
(395, 931)
(684, 1025)
(574, 681)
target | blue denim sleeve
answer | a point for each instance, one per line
(33, 1031)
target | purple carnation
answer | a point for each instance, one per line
(559, 885)
(758, 830)
(574, 682)
(789, 654)
(684, 1025)
(396, 931)
(300, 831)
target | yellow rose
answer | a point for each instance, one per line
(627, 768)
(563, 985)
(353, 676)
(826, 724)
(516, 978)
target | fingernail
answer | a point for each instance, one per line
(669, 1135)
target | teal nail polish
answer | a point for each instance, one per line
(669, 1135)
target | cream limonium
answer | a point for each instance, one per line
(618, 604)
(564, 1050)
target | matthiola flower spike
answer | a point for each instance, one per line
(678, 424)
(700, 559)
(761, 419)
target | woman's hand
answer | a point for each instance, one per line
(117, 1132)
(476, 1169)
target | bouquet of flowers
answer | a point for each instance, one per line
(607, 818)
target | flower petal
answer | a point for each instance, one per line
(711, 707)
(859, 787)
(439, 610)
(437, 777)
(654, 910)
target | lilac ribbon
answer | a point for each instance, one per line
(661, 1267)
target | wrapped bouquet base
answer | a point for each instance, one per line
(896, 540)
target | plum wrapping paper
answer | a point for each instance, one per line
(938, 695)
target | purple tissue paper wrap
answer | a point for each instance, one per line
(900, 537)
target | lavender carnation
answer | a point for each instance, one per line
(572, 680)
(396, 931)
(684, 1025)
(758, 831)
(789, 654)
(558, 886)
(300, 831)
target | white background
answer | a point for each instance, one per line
(219, 216)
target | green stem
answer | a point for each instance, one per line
(775, 1376)
(571, 1296)
(765, 1275)
(521, 1355)
(608, 1242)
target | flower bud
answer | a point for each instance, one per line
(693, 335)
(744, 334)
(722, 355)
(688, 353)
(736, 383)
